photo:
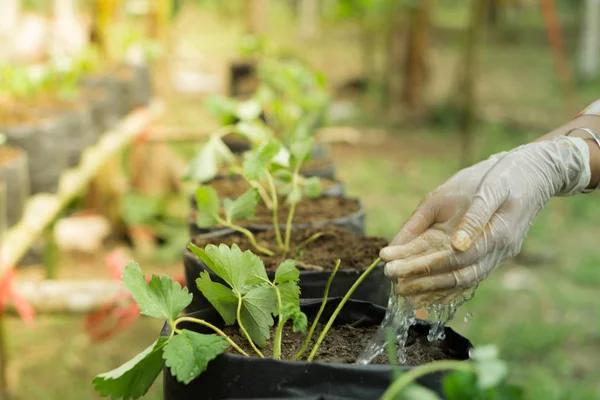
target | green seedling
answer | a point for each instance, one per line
(248, 298)
(281, 176)
(482, 377)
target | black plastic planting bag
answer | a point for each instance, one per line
(16, 177)
(142, 86)
(354, 223)
(321, 169)
(232, 376)
(375, 288)
(110, 85)
(79, 133)
(99, 103)
(42, 141)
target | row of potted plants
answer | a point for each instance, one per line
(50, 114)
(269, 243)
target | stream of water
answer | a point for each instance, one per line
(400, 316)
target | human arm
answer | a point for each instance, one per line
(466, 227)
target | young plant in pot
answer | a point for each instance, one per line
(273, 171)
(290, 101)
(313, 245)
(38, 132)
(313, 340)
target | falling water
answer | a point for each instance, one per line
(468, 316)
(400, 316)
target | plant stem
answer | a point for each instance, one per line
(4, 388)
(244, 331)
(316, 320)
(340, 306)
(311, 239)
(408, 377)
(214, 328)
(288, 226)
(255, 184)
(249, 235)
(290, 218)
(275, 203)
(279, 331)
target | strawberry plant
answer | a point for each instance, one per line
(281, 178)
(248, 298)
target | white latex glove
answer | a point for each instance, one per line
(458, 238)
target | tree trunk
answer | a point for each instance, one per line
(469, 78)
(416, 51)
(588, 57)
(560, 55)
(308, 18)
(256, 13)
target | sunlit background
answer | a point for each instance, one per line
(418, 89)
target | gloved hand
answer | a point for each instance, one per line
(466, 227)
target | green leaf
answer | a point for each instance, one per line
(257, 307)
(286, 272)
(294, 313)
(254, 131)
(290, 293)
(188, 353)
(161, 298)
(209, 158)
(460, 385)
(248, 110)
(221, 297)
(237, 269)
(207, 203)
(253, 166)
(269, 150)
(137, 209)
(313, 187)
(244, 207)
(133, 379)
(301, 149)
(221, 106)
(416, 392)
(490, 370)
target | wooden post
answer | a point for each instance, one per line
(416, 51)
(256, 16)
(4, 384)
(560, 55)
(308, 15)
(468, 80)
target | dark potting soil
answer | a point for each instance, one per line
(8, 154)
(235, 186)
(355, 251)
(344, 344)
(307, 211)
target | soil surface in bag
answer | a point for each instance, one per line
(331, 376)
(307, 211)
(234, 186)
(354, 250)
(344, 344)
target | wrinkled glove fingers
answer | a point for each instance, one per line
(427, 264)
(399, 252)
(460, 278)
(485, 203)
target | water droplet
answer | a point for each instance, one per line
(468, 316)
